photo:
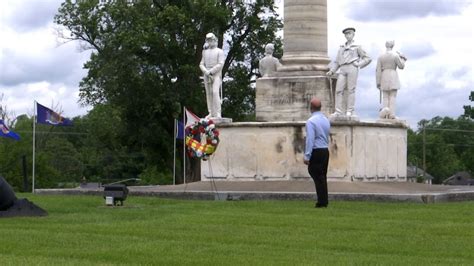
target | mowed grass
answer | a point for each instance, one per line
(80, 230)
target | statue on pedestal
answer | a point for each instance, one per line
(387, 79)
(350, 58)
(211, 66)
(269, 64)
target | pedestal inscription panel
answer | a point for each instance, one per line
(287, 98)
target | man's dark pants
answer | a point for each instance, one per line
(318, 168)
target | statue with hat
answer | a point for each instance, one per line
(387, 79)
(211, 66)
(350, 58)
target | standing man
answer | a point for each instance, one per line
(316, 153)
(350, 58)
(387, 79)
(211, 66)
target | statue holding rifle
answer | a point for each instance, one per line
(211, 66)
(387, 79)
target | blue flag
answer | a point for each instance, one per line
(49, 117)
(179, 130)
(6, 133)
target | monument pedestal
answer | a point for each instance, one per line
(359, 151)
(286, 98)
(393, 121)
(221, 120)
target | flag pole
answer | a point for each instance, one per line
(34, 147)
(184, 147)
(174, 153)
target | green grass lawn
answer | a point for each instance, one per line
(82, 231)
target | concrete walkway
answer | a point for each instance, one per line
(294, 190)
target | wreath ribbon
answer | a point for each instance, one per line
(197, 146)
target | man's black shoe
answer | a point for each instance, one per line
(320, 206)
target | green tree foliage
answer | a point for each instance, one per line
(469, 110)
(89, 149)
(12, 151)
(102, 152)
(144, 64)
(56, 159)
(449, 146)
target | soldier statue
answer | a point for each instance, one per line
(211, 66)
(387, 79)
(350, 58)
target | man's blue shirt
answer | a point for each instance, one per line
(317, 133)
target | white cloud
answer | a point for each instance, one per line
(33, 63)
(28, 15)
(389, 10)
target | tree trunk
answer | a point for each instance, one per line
(193, 170)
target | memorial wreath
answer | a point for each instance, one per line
(194, 133)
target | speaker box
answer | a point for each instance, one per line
(7, 196)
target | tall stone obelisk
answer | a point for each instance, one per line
(285, 95)
(305, 36)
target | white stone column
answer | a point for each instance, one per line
(305, 45)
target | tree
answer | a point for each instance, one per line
(469, 110)
(145, 58)
(10, 159)
(449, 146)
(5, 114)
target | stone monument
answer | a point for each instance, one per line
(387, 79)
(272, 149)
(284, 95)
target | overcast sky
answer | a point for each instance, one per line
(435, 35)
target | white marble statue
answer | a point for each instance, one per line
(387, 79)
(211, 66)
(268, 64)
(350, 58)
